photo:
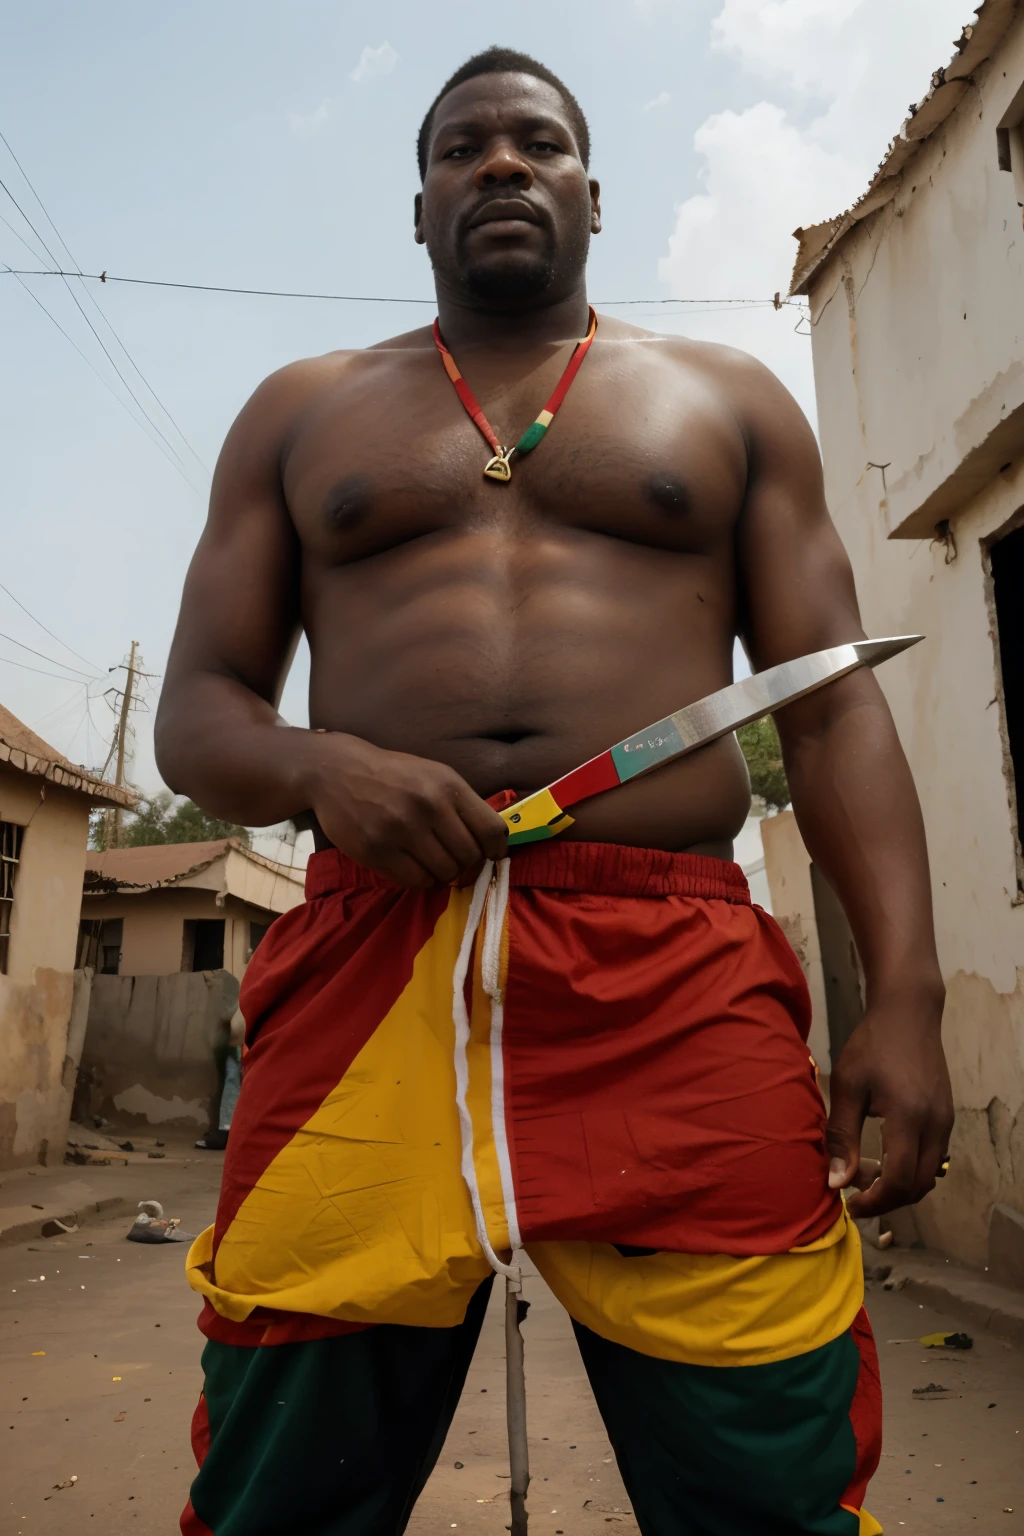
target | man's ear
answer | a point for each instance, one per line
(595, 207)
(418, 216)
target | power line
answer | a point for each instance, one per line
(105, 382)
(18, 236)
(92, 678)
(49, 632)
(46, 214)
(75, 300)
(347, 298)
(61, 676)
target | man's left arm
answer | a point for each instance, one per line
(854, 801)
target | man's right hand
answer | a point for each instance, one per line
(414, 819)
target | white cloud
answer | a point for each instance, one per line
(661, 100)
(854, 67)
(306, 125)
(793, 38)
(374, 62)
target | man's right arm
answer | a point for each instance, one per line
(219, 737)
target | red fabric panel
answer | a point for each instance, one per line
(191, 1525)
(561, 864)
(265, 1327)
(200, 1431)
(660, 1089)
(865, 1413)
(321, 981)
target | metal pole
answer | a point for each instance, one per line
(122, 731)
(515, 1404)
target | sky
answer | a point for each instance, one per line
(270, 146)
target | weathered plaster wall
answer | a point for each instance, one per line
(917, 340)
(923, 300)
(154, 1048)
(37, 992)
(154, 926)
(788, 868)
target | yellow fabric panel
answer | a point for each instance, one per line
(710, 1309)
(869, 1526)
(364, 1215)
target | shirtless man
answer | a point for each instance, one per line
(625, 1088)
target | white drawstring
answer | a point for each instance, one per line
(490, 892)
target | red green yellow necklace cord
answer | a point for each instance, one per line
(499, 467)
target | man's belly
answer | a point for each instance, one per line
(515, 664)
(698, 803)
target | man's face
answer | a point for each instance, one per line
(507, 208)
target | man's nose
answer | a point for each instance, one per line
(503, 165)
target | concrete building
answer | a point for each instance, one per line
(44, 821)
(181, 907)
(916, 315)
(170, 930)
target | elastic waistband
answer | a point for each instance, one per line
(599, 869)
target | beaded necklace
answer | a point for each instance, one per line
(499, 467)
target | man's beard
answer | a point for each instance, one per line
(518, 279)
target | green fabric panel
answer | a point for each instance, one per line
(731, 1451)
(531, 437)
(334, 1437)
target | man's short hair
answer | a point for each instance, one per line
(505, 61)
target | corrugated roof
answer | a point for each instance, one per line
(947, 90)
(29, 753)
(161, 864)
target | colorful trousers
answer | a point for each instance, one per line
(598, 1055)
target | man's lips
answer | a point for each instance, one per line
(505, 210)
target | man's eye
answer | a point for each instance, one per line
(458, 152)
(545, 144)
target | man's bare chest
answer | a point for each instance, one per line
(648, 457)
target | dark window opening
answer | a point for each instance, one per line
(1003, 149)
(99, 944)
(257, 933)
(10, 856)
(203, 949)
(1007, 559)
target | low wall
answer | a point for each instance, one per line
(154, 1049)
(40, 1030)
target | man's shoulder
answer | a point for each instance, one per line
(711, 357)
(290, 390)
(309, 374)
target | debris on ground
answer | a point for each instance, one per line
(69, 1482)
(947, 1341)
(934, 1389)
(126, 1146)
(152, 1226)
(57, 1227)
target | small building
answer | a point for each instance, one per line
(170, 930)
(918, 344)
(45, 802)
(180, 907)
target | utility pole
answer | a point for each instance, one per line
(114, 816)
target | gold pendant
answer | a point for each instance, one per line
(499, 467)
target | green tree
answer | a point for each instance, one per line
(759, 743)
(163, 818)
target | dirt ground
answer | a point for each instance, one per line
(101, 1372)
